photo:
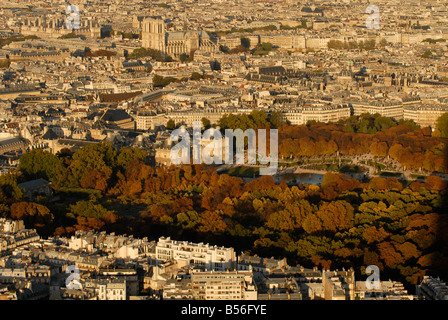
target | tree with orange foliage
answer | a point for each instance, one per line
(372, 234)
(261, 183)
(180, 204)
(319, 261)
(211, 221)
(429, 222)
(96, 179)
(372, 258)
(331, 216)
(88, 224)
(396, 151)
(31, 213)
(429, 161)
(136, 170)
(389, 254)
(435, 183)
(334, 184)
(110, 217)
(227, 207)
(385, 184)
(379, 149)
(61, 231)
(307, 147)
(343, 252)
(408, 250)
(416, 186)
(283, 221)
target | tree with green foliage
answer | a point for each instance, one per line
(9, 189)
(205, 123)
(259, 117)
(71, 35)
(351, 45)
(38, 163)
(349, 128)
(266, 46)
(188, 220)
(384, 123)
(86, 209)
(245, 42)
(5, 63)
(426, 54)
(233, 121)
(430, 40)
(6, 41)
(92, 165)
(160, 81)
(263, 49)
(442, 125)
(409, 123)
(127, 155)
(170, 125)
(196, 76)
(276, 119)
(224, 49)
(97, 156)
(183, 57)
(130, 35)
(152, 53)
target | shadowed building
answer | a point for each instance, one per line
(36, 187)
(117, 117)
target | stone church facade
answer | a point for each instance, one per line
(155, 36)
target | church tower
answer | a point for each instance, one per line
(153, 34)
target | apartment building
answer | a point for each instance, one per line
(318, 112)
(280, 288)
(178, 289)
(163, 156)
(128, 275)
(432, 289)
(260, 264)
(39, 274)
(20, 238)
(388, 290)
(201, 255)
(293, 116)
(385, 109)
(285, 41)
(108, 289)
(316, 43)
(339, 285)
(54, 27)
(11, 226)
(424, 115)
(324, 113)
(230, 285)
(73, 294)
(188, 117)
(12, 144)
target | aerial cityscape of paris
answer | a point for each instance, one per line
(237, 150)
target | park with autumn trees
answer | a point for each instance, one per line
(400, 226)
